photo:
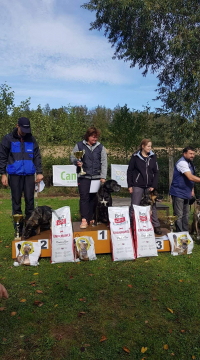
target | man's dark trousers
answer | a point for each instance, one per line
(181, 210)
(19, 184)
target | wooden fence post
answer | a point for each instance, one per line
(171, 169)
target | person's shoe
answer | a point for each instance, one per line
(84, 224)
(158, 230)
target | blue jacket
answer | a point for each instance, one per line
(20, 155)
(181, 186)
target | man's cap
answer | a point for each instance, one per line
(24, 125)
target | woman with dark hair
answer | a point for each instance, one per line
(94, 164)
(142, 175)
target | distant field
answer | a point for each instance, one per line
(59, 151)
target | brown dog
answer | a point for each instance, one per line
(196, 219)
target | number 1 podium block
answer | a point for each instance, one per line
(99, 233)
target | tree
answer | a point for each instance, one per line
(161, 36)
(126, 130)
(6, 105)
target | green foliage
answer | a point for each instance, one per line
(126, 129)
(161, 36)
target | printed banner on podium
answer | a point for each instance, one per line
(118, 173)
(64, 175)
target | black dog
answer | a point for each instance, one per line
(40, 220)
(103, 200)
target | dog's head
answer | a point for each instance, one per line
(112, 186)
(26, 249)
(153, 196)
(197, 202)
(184, 243)
(30, 225)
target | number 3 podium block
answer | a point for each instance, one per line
(162, 242)
(99, 233)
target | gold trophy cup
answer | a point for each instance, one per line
(17, 218)
(171, 220)
(78, 155)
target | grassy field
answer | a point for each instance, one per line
(143, 309)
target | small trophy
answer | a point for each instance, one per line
(171, 220)
(78, 155)
(17, 218)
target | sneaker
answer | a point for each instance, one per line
(84, 224)
(158, 230)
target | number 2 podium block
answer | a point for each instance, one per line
(44, 238)
(99, 233)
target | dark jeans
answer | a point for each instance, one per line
(19, 184)
(136, 197)
(181, 209)
(87, 200)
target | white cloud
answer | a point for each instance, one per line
(35, 42)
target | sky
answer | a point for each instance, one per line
(47, 53)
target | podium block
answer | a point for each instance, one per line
(163, 245)
(99, 233)
(45, 240)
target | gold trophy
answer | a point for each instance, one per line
(78, 155)
(17, 218)
(171, 220)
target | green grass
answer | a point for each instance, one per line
(66, 327)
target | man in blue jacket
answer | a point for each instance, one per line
(182, 188)
(20, 158)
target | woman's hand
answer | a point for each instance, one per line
(4, 180)
(79, 163)
(103, 181)
(130, 190)
(151, 189)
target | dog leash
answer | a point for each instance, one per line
(36, 194)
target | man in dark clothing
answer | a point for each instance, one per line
(20, 158)
(182, 188)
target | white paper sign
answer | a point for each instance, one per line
(160, 242)
(44, 243)
(119, 173)
(64, 175)
(102, 235)
(94, 186)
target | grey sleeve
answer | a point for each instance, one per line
(103, 163)
(72, 157)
